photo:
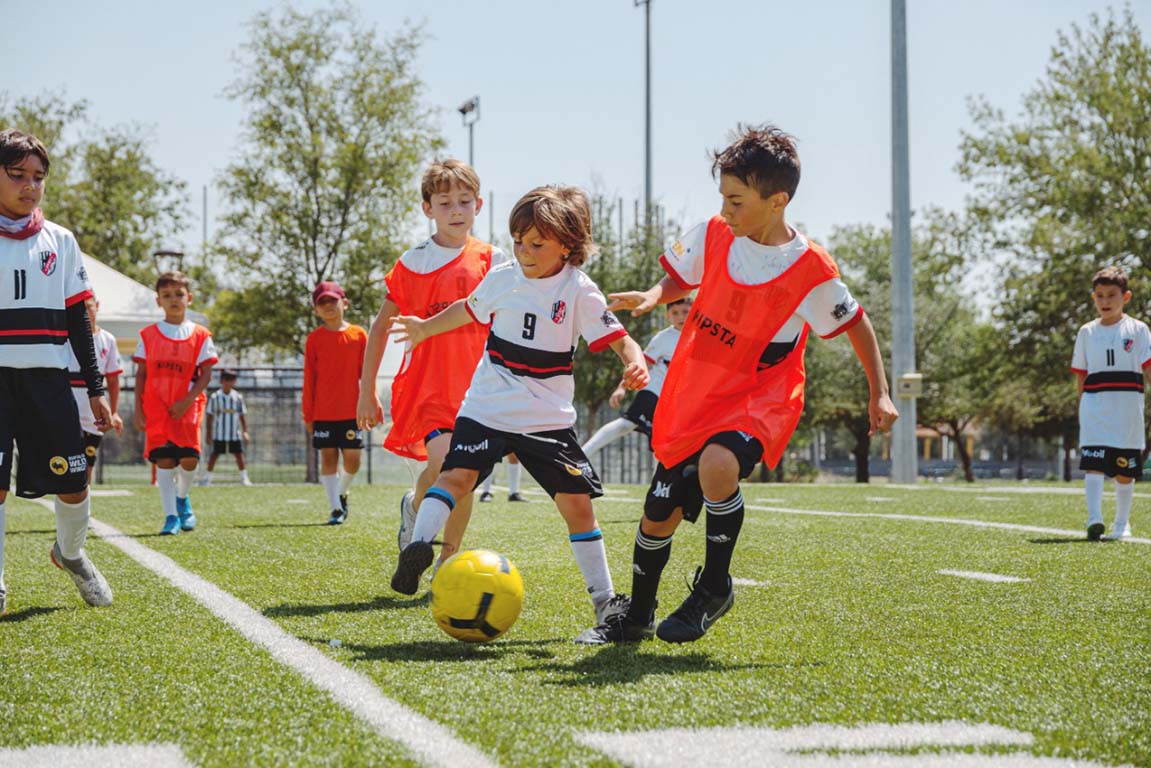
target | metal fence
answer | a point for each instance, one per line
(279, 450)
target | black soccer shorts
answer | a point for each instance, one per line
(678, 486)
(641, 412)
(1126, 462)
(38, 415)
(337, 434)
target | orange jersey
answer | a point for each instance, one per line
(170, 368)
(430, 386)
(716, 382)
(333, 361)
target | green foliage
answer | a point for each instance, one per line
(105, 186)
(326, 181)
(1065, 188)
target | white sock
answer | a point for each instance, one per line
(331, 485)
(244, 476)
(591, 557)
(514, 477)
(184, 478)
(3, 535)
(1093, 483)
(72, 527)
(166, 482)
(432, 514)
(208, 477)
(1124, 492)
(346, 482)
(488, 483)
(613, 430)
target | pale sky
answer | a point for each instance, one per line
(561, 87)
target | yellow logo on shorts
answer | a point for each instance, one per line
(58, 465)
(1122, 462)
(575, 471)
(90, 451)
(351, 434)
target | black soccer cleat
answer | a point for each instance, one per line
(618, 629)
(694, 617)
(414, 560)
(1095, 531)
(517, 497)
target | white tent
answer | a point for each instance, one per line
(126, 307)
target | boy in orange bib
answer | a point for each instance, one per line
(734, 389)
(427, 392)
(174, 360)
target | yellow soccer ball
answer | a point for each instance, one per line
(477, 595)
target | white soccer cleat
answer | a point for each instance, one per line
(93, 588)
(407, 519)
(1116, 536)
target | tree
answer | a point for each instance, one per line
(1066, 189)
(104, 187)
(334, 137)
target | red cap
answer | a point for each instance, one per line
(328, 288)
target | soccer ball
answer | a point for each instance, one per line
(477, 595)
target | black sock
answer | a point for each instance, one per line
(724, 519)
(649, 557)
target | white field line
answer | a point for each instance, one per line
(95, 756)
(428, 740)
(749, 583)
(941, 520)
(1072, 490)
(111, 492)
(981, 576)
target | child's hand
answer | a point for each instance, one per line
(117, 424)
(408, 328)
(101, 413)
(369, 411)
(639, 302)
(882, 413)
(179, 408)
(616, 397)
(635, 376)
(245, 437)
(138, 421)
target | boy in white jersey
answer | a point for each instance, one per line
(108, 362)
(641, 412)
(1110, 356)
(42, 317)
(227, 426)
(520, 398)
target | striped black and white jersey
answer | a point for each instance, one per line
(524, 380)
(40, 277)
(1114, 358)
(108, 363)
(658, 354)
(226, 409)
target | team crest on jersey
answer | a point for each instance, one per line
(47, 262)
(559, 311)
(1127, 344)
(608, 319)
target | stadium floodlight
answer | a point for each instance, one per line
(470, 112)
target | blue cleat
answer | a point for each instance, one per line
(187, 516)
(171, 526)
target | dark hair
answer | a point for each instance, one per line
(686, 301)
(228, 375)
(173, 278)
(557, 213)
(15, 145)
(763, 157)
(1110, 276)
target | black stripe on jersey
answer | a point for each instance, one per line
(33, 319)
(19, 339)
(525, 361)
(1114, 381)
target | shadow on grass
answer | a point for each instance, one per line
(27, 613)
(627, 664)
(1066, 540)
(381, 603)
(323, 524)
(449, 650)
(37, 531)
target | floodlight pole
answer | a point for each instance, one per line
(647, 110)
(470, 112)
(904, 459)
(177, 255)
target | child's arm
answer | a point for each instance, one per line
(114, 402)
(208, 422)
(415, 330)
(665, 291)
(244, 429)
(306, 404)
(1081, 377)
(369, 410)
(617, 394)
(880, 410)
(635, 375)
(141, 381)
(181, 406)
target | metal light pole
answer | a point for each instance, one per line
(470, 112)
(647, 110)
(904, 461)
(177, 255)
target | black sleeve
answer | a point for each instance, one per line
(80, 337)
